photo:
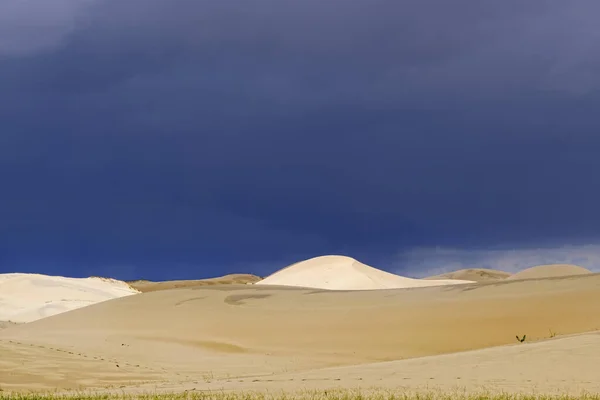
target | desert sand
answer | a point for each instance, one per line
(345, 273)
(231, 279)
(549, 271)
(6, 324)
(269, 338)
(28, 297)
(473, 274)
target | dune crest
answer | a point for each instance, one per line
(549, 271)
(29, 297)
(231, 279)
(473, 274)
(345, 273)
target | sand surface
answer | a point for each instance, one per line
(551, 270)
(555, 367)
(473, 274)
(6, 324)
(28, 297)
(271, 338)
(232, 279)
(344, 273)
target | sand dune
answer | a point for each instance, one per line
(28, 297)
(473, 274)
(232, 279)
(259, 332)
(563, 366)
(549, 271)
(344, 273)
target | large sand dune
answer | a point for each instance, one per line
(549, 271)
(231, 279)
(344, 273)
(473, 274)
(262, 336)
(28, 297)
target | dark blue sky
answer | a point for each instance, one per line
(168, 139)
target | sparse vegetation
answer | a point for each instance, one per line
(337, 394)
(208, 377)
(521, 339)
(552, 334)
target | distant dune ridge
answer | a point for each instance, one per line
(29, 297)
(473, 274)
(231, 279)
(345, 273)
(549, 271)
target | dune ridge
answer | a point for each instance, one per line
(231, 279)
(345, 273)
(549, 271)
(29, 297)
(473, 274)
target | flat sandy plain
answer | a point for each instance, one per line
(269, 338)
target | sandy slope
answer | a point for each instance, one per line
(473, 274)
(232, 279)
(548, 271)
(198, 335)
(344, 273)
(28, 297)
(557, 367)
(560, 366)
(6, 324)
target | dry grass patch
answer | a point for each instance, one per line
(336, 394)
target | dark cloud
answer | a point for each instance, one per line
(200, 135)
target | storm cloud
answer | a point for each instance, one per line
(183, 138)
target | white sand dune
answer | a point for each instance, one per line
(550, 271)
(345, 273)
(29, 297)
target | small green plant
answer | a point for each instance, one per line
(552, 334)
(521, 339)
